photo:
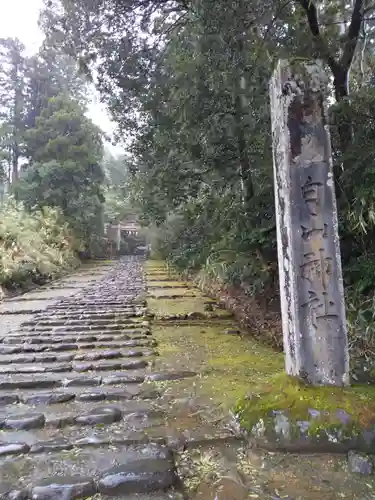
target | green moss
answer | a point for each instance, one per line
(228, 365)
(162, 284)
(242, 373)
(183, 292)
(289, 394)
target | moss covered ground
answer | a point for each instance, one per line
(239, 372)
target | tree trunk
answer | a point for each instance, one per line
(245, 168)
(341, 85)
(340, 67)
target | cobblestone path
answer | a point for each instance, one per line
(89, 410)
(74, 399)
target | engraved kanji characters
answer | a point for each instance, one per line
(316, 268)
(310, 193)
(317, 271)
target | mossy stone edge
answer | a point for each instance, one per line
(277, 413)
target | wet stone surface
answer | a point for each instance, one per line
(140, 476)
(72, 378)
(89, 410)
(63, 487)
(26, 421)
(13, 448)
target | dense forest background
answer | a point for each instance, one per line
(58, 185)
(187, 84)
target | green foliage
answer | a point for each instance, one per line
(65, 150)
(34, 247)
(117, 188)
(187, 83)
(361, 324)
(116, 204)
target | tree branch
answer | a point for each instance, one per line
(312, 19)
(353, 34)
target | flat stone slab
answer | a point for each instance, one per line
(138, 477)
(100, 415)
(64, 488)
(23, 421)
(27, 470)
(13, 448)
(47, 398)
(162, 376)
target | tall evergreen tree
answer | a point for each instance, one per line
(65, 151)
(12, 99)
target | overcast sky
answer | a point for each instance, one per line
(19, 19)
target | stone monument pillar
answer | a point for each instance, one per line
(311, 288)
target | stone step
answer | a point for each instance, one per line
(87, 321)
(101, 425)
(79, 331)
(63, 347)
(128, 302)
(15, 382)
(38, 381)
(45, 397)
(87, 325)
(30, 298)
(71, 312)
(114, 470)
(39, 338)
(96, 307)
(128, 414)
(16, 359)
(20, 312)
(84, 317)
(81, 366)
(95, 313)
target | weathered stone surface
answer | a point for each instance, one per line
(8, 399)
(82, 381)
(10, 350)
(100, 415)
(13, 448)
(14, 495)
(92, 396)
(170, 375)
(108, 366)
(82, 367)
(64, 358)
(360, 463)
(93, 356)
(27, 369)
(133, 365)
(138, 477)
(60, 422)
(64, 488)
(63, 347)
(26, 421)
(311, 289)
(31, 383)
(123, 379)
(53, 445)
(47, 398)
